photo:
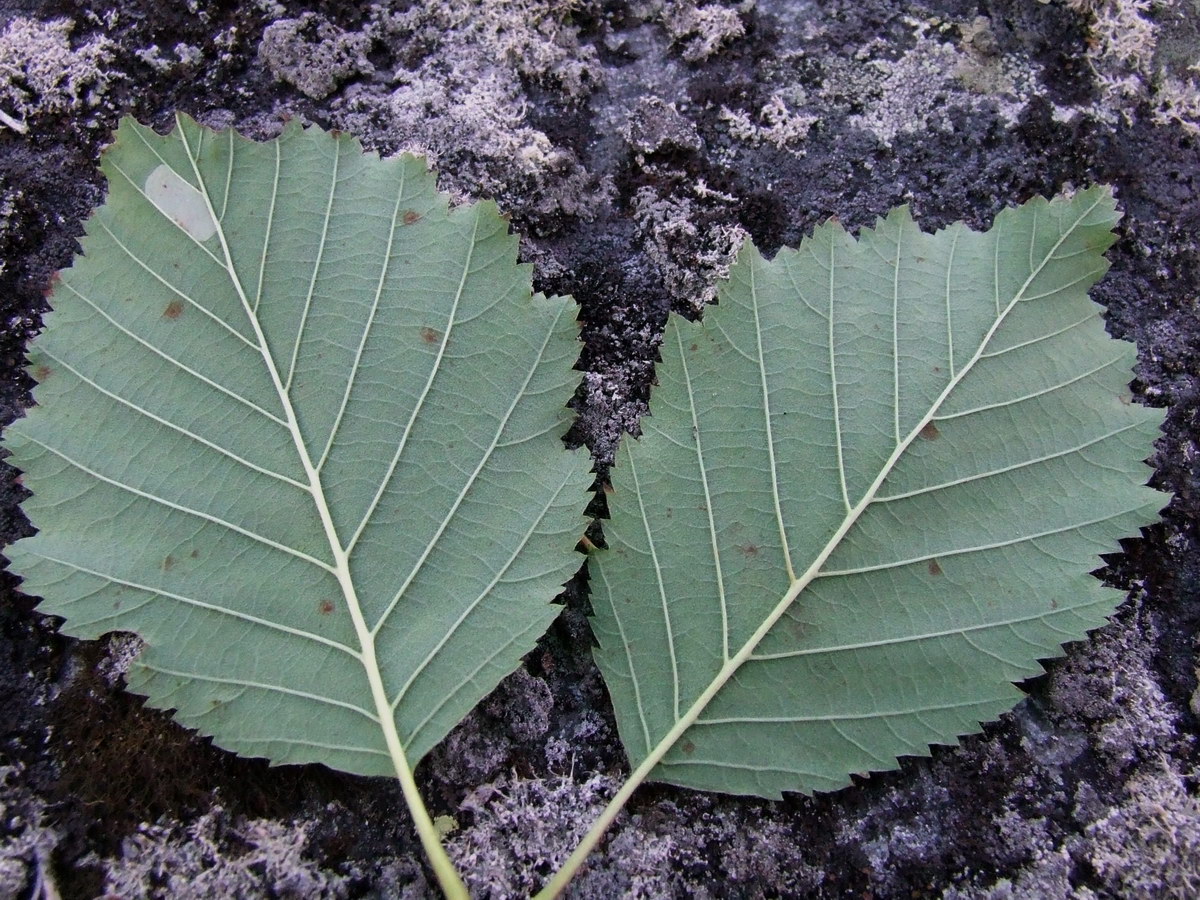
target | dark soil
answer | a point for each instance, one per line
(926, 105)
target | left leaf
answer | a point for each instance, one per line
(298, 426)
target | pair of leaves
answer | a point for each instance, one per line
(298, 427)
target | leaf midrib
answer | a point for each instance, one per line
(799, 584)
(654, 757)
(341, 567)
(448, 877)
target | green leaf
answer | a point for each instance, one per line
(297, 426)
(867, 499)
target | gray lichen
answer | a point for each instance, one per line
(917, 90)
(655, 125)
(1113, 688)
(1145, 845)
(42, 74)
(313, 54)
(216, 857)
(780, 121)
(1149, 844)
(690, 254)
(1143, 51)
(702, 30)
(524, 829)
(462, 101)
(26, 840)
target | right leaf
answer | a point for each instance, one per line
(867, 499)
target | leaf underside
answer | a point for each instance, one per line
(290, 405)
(876, 475)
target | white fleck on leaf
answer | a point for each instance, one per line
(180, 202)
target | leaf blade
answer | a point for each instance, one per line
(839, 669)
(238, 409)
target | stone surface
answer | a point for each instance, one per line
(634, 144)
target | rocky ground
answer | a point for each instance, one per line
(635, 143)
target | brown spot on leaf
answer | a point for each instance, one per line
(174, 310)
(326, 607)
(1126, 398)
(51, 285)
(586, 543)
(688, 747)
(930, 432)
(934, 568)
(194, 554)
(430, 335)
(168, 563)
(750, 551)
(694, 348)
(41, 373)
(411, 216)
